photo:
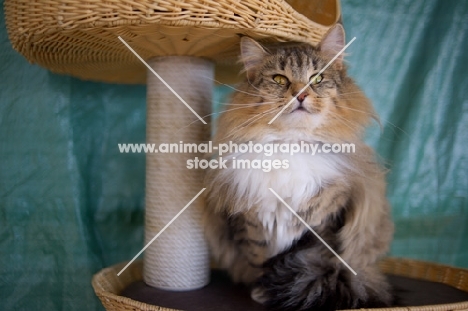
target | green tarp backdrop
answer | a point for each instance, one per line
(71, 204)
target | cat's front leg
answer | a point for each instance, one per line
(223, 249)
(247, 233)
(231, 246)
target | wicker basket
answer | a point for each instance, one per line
(108, 285)
(80, 37)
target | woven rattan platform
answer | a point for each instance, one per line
(406, 275)
(80, 37)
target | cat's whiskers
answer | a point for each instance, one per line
(243, 124)
(267, 96)
(250, 105)
(240, 91)
(377, 118)
(260, 91)
(249, 121)
(244, 106)
(357, 92)
(351, 125)
(373, 115)
(252, 120)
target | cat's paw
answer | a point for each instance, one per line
(299, 292)
(259, 295)
(292, 284)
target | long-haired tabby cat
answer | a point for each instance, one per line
(341, 196)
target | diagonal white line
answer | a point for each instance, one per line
(312, 230)
(308, 84)
(162, 230)
(159, 77)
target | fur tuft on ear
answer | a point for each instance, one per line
(252, 54)
(333, 42)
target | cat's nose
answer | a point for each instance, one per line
(302, 96)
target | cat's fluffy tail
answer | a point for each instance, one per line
(314, 279)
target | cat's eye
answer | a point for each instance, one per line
(316, 79)
(281, 80)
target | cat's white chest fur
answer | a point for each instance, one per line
(296, 185)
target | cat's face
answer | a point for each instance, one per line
(283, 74)
(332, 108)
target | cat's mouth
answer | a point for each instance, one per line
(300, 108)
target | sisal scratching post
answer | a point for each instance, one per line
(178, 259)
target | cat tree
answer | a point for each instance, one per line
(183, 41)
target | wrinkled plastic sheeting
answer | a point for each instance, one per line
(410, 58)
(71, 204)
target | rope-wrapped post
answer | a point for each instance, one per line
(178, 259)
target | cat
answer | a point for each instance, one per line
(252, 234)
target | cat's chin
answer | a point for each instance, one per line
(300, 110)
(301, 119)
(293, 135)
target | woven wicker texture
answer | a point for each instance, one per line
(179, 257)
(80, 37)
(108, 285)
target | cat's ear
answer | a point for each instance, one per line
(333, 42)
(252, 54)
